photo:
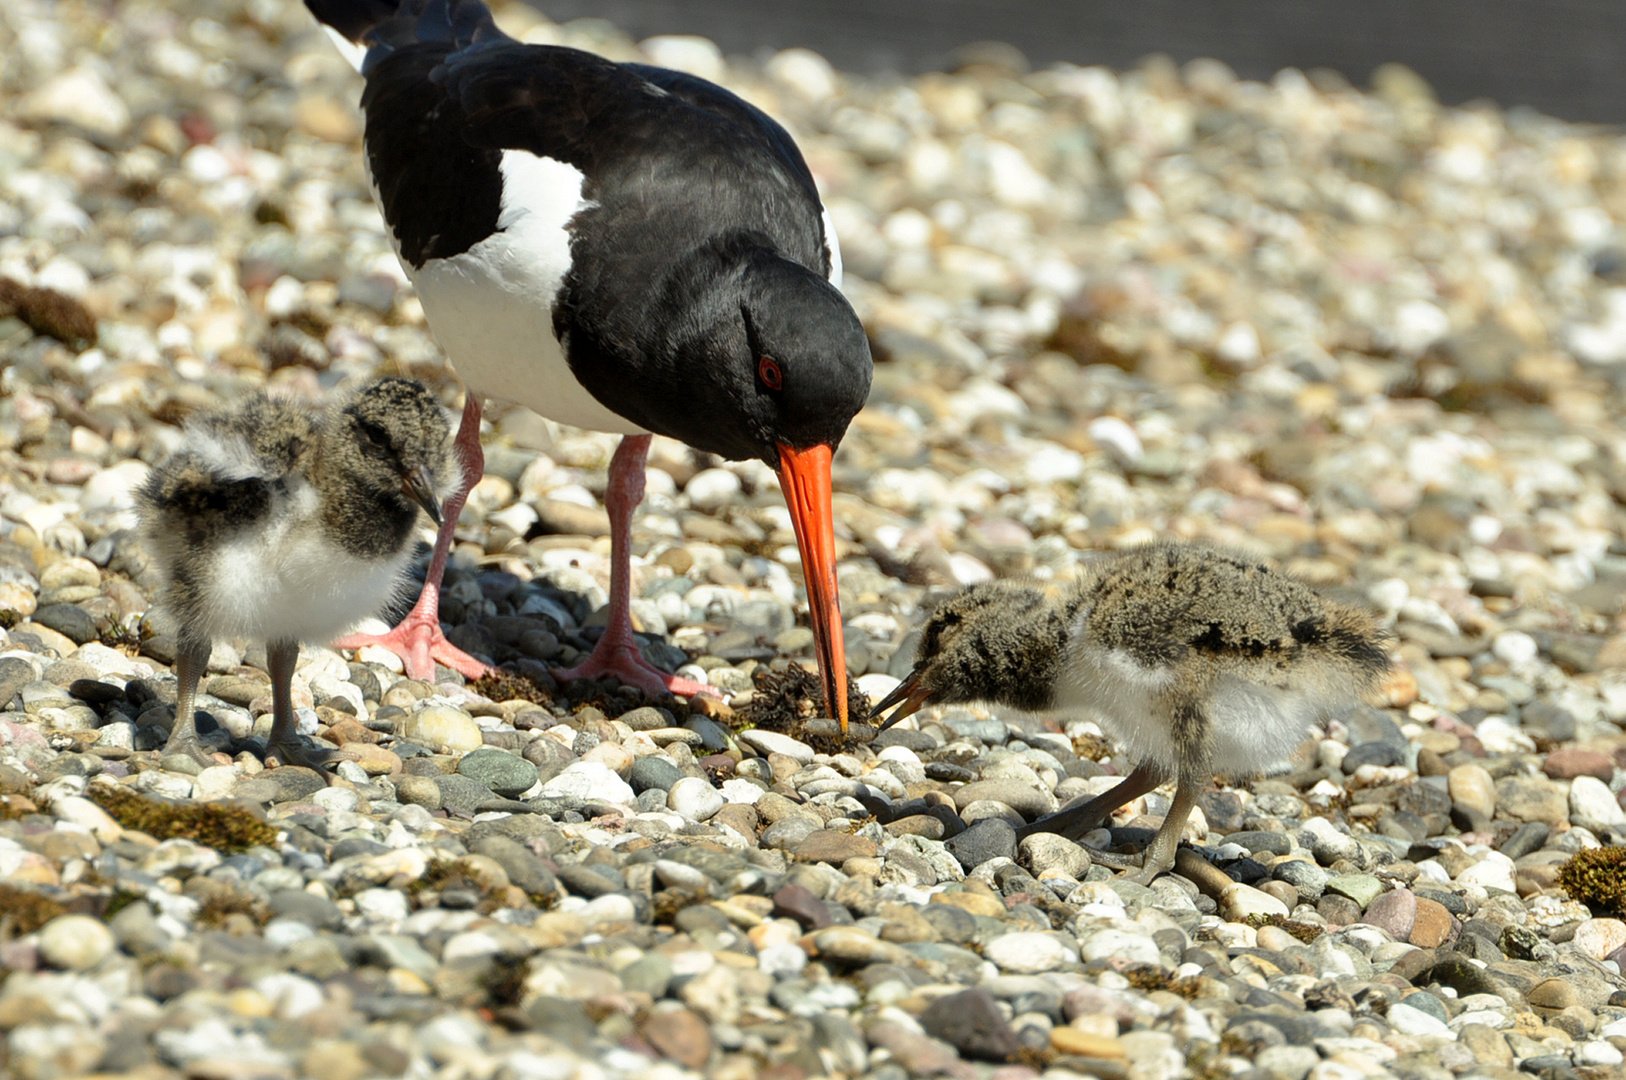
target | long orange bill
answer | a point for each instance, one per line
(908, 695)
(805, 477)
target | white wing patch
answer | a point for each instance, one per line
(1119, 693)
(491, 307)
(1257, 727)
(354, 54)
(834, 246)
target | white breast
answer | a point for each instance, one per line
(288, 581)
(1120, 694)
(1254, 727)
(491, 307)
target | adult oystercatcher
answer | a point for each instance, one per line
(619, 247)
(285, 525)
(1199, 662)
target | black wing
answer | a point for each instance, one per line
(447, 94)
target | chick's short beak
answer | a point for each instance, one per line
(421, 490)
(909, 695)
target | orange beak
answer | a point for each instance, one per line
(805, 477)
(909, 696)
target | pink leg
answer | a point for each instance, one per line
(617, 651)
(417, 639)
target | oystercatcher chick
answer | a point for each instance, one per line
(283, 523)
(1198, 661)
(619, 247)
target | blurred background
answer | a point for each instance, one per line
(1561, 57)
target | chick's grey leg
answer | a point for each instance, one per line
(191, 660)
(1192, 737)
(1159, 854)
(285, 747)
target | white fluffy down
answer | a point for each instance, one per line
(1255, 728)
(286, 580)
(492, 306)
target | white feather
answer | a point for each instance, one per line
(491, 307)
(287, 580)
(1254, 727)
(225, 454)
(834, 245)
(354, 54)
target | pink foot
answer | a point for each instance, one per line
(418, 641)
(626, 663)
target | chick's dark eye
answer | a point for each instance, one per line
(769, 374)
(375, 440)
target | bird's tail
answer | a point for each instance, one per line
(367, 30)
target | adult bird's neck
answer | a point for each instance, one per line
(672, 354)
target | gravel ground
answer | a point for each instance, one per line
(1374, 340)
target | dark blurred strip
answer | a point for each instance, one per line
(1563, 57)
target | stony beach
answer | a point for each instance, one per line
(1377, 342)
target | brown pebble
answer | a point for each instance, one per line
(1571, 761)
(680, 1035)
(798, 902)
(1431, 764)
(834, 847)
(1433, 925)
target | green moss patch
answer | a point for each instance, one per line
(221, 826)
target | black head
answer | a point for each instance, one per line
(1000, 641)
(392, 438)
(755, 353)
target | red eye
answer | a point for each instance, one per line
(768, 371)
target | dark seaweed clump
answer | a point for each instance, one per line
(789, 699)
(49, 312)
(1597, 878)
(222, 826)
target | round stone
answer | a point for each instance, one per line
(1598, 938)
(588, 780)
(654, 772)
(75, 942)
(1047, 851)
(441, 725)
(695, 799)
(1028, 953)
(1394, 911)
(509, 775)
(418, 791)
(1472, 786)
(1591, 800)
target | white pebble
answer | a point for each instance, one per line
(695, 799)
(1514, 648)
(75, 942)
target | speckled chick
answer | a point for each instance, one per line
(1200, 662)
(284, 522)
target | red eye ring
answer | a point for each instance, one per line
(768, 371)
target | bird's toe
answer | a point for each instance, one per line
(296, 752)
(186, 756)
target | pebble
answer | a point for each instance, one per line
(441, 725)
(695, 799)
(508, 775)
(75, 942)
(649, 883)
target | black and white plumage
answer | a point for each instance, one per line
(1197, 661)
(283, 523)
(616, 246)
